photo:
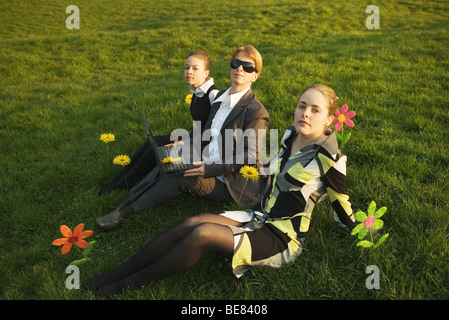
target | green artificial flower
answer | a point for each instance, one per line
(369, 223)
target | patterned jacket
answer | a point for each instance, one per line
(300, 181)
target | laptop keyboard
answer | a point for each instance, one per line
(167, 152)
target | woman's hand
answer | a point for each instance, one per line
(198, 171)
(175, 143)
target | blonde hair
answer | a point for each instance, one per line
(202, 56)
(251, 53)
(329, 95)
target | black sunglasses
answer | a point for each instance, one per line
(247, 66)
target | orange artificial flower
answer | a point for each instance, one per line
(77, 237)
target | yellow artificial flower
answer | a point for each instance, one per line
(170, 160)
(122, 160)
(249, 173)
(107, 137)
(189, 98)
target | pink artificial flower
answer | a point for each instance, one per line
(369, 221)
(343, 116)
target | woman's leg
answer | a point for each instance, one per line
(178, 258)
(150, 195)
(156, 189)
(157, 248)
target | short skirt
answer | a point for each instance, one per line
(261, 241)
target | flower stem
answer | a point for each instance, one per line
(242, 191)
(371, 235)
(82, 253)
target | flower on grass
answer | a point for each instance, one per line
(343, 117)
(76, 237)
(369, 223)
(170, 160)
(249, 173)
(189, 98)
(107, 137)
(122, 160)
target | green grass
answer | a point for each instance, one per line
(60, 89)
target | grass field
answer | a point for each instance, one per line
(60, 89)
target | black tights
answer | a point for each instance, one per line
(174, 251)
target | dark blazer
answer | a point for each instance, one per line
(199, 110)
(248, 118)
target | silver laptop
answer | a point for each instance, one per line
(162, 152)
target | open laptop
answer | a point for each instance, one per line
(178, 167)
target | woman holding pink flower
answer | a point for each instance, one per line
(273, 232)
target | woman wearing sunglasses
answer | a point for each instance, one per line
(246, 65)
(216, 174)
(201, 85)
(273, 232)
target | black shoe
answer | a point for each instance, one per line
(110, 221)
(102, 280)
(111, 290)
(96, 283)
